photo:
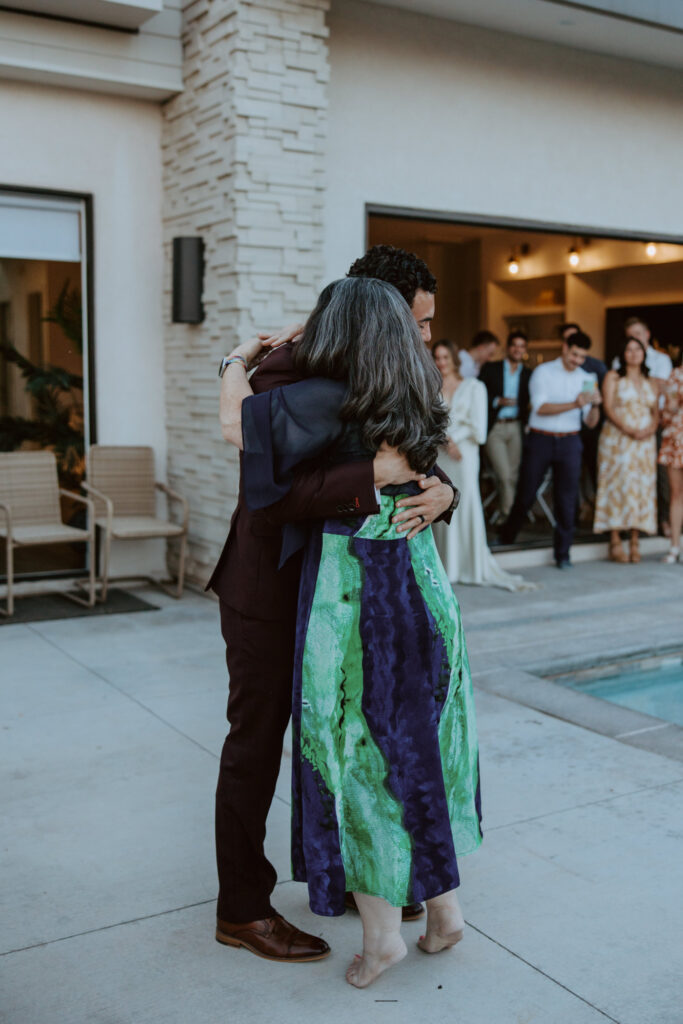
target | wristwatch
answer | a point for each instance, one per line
(456, 499)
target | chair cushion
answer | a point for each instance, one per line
(128, 527)
(45, 533)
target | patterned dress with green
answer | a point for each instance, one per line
(386, 779)
(385, 791)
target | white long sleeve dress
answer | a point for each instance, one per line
(462, 545)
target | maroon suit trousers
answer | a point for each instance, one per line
(260, 658)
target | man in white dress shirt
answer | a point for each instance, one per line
(562, 396)
(483, 348)
(658, 363)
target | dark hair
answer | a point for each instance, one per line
(404, 270)
(516, 334)
(484, 338)
(621, 358)
(365, 334)
(579, 339)
(561, 328)
(452, 348)
(633, 320)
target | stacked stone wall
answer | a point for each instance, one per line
(243, 156)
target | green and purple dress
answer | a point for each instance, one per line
(385, 791)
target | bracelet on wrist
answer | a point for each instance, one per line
(227, 360)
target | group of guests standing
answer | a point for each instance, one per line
(571, 413)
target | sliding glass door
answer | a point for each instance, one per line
(44, 349)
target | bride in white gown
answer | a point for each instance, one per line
(462, 545)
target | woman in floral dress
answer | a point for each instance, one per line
(671, 456)
(627, 455)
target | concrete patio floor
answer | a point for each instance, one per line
(112, 729)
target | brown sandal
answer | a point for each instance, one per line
(635, 549)
(616, 552)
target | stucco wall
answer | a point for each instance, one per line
(429, 114)
(61, 139)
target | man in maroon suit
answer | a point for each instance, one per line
(258, 605)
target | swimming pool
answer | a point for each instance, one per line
(653, 686)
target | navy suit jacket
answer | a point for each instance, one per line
(492, 376)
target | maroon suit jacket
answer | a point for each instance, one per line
(246, 576)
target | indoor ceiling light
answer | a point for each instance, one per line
(651, 249)
(513, 265)
(574, 257)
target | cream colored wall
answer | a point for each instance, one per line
(428, 114)
(109, 147)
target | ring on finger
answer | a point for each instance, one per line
(421, 518)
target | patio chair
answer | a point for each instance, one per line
(30, 514)
(121, 481)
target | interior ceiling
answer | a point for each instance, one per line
(413, 229)
(643, 30)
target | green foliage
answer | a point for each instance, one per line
(67, 314)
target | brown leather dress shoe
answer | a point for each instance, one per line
(413, 912)
(273, 938)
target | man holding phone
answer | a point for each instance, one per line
(562, 397)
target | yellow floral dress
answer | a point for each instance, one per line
(627, 468)
(671, 452)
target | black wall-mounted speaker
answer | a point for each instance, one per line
(188, 280)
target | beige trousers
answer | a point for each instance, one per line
(504, 450)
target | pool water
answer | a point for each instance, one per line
(654, 687)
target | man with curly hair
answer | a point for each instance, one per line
(258, 600)
(409, 274)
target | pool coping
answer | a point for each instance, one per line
(536, 688)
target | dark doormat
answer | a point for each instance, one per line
(44, 607)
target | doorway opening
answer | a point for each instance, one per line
(533, 279)
(45, 357)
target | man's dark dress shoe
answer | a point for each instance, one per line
(412, 912)
(273, 938)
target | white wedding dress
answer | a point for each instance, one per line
(462, 545)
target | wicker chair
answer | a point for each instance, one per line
(30, 514)
(121, 480)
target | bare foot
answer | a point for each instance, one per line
(364, 969)
(445, 927)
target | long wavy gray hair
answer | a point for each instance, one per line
(362, 331)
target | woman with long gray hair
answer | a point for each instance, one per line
(385, 777)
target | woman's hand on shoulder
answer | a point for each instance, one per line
(251, 349)
(420, 510)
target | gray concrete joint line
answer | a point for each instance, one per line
(128, 696)
(107, 927)
(542, 972)
(590, 803)
(648, 728)
(533, 620)
(562, 716)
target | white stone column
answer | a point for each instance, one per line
(243, 154)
